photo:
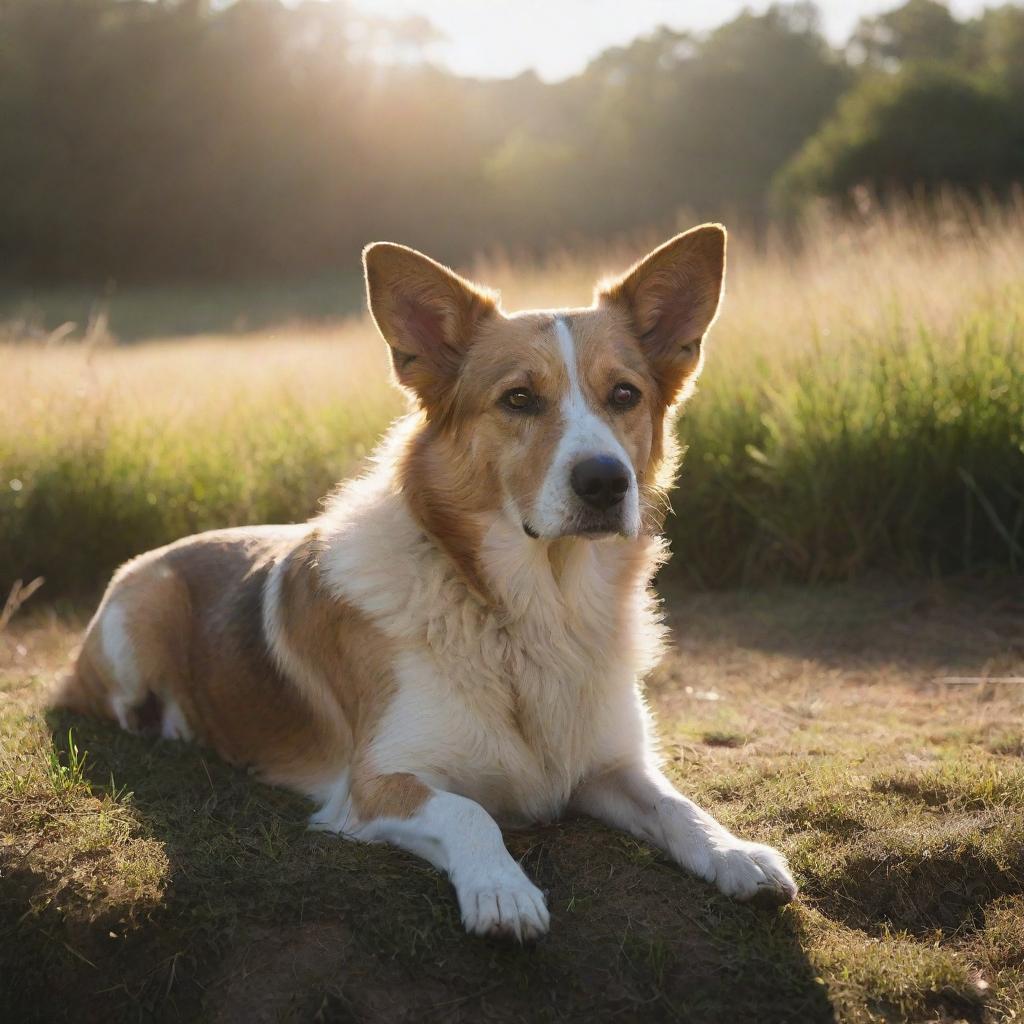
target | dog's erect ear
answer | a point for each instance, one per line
(427, 315)
(672, 297)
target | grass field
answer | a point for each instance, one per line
(143, 881)
(862, 407)
(860, 426)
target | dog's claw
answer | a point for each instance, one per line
(511, 908)
(753, 873)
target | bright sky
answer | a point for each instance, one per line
(497, 38)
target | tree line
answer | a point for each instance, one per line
(175, 139)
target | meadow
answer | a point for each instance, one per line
(861, 408)
(144, 881)
(859, 427)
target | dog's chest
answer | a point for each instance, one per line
(509, 714)
(513, 707)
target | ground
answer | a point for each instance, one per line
(146, 881)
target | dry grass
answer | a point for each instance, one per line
(106, 451)
(206, 380)
(147, 881)
(833, 283)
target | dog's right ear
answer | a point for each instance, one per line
(426, 313)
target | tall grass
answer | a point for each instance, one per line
(105, 452)
(862, 407)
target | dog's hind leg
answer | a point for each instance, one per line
(134, 654)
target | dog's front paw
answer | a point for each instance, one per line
(507, 906)
(753, 872)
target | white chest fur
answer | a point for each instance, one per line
(511, 708)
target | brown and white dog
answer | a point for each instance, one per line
(460, 638)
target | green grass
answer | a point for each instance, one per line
(152, 882)
(862, 407)
(904, 452)
(93, 501)
(906, 455)
(66, 768)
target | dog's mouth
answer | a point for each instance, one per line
(591, 528)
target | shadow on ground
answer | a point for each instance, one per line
(253, 918)
(930, 627)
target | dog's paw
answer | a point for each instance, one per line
(507, 906)
(750, 872)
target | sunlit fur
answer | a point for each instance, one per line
(453, 642)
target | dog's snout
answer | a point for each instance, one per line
(600, 481)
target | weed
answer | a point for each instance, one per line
(66, 770)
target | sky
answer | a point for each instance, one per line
(557, 38)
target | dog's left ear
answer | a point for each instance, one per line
(427, 314)
(672, 297)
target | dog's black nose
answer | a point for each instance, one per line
(601, 481)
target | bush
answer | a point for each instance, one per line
(925, 127)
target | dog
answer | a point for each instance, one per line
(457, 643)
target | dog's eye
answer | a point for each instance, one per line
(624, 396)
(520, 400)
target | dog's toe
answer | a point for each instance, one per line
(507, 909)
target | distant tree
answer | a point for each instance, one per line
(762, 85)
(926, 126)
(919, 30)
(196, 138)
(996, 46)
(673, 121)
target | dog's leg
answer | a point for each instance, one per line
(640, 800)
(458, 837)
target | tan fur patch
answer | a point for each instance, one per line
(444, 493)
(399, 795)
(427, 314)
(346, 652)
(672, 296)
(194, 625)
(84, 688)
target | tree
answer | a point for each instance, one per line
(190, 138)
(673, 122)
(997, 49)
(919, 30)
(926, 126)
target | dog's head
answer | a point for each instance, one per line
(557, 420)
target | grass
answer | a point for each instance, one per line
(66, 768)
(146, 880)
(160, 311)
(861, 408)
